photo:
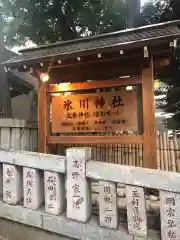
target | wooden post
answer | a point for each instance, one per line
(43, 118)
(149, 114)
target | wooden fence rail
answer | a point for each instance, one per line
(57, 194)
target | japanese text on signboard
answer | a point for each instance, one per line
(95, 112)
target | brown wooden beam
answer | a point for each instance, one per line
(95, 140)
(115, 57)
(101, 70)
(64, 87)
(98, 70)
(85, 76)
(149, 114)
(43, 118)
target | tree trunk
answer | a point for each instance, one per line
(5, 98)
(133, 7)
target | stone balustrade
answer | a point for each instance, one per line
(56, 194)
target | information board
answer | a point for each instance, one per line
(95, 112)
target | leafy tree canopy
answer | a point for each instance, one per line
(49, 21)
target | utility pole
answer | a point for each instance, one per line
(133, 8)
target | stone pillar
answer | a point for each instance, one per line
(170, 215)
(54, 186)
(78, 188)
(107, 204)
(33, 188)
(136, 211)
(12, 184)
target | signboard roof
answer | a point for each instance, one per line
(142, 36)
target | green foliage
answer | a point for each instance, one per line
(152, 12)
(161, 11)
(49, 21)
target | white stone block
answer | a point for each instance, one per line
(107, 204)
(170, 215)
(12, 184)
(33, 188)
(136, 211)
(78, 187)
(54, 187)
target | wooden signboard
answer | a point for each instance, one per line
(95, 112)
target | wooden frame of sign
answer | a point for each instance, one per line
(148, 139)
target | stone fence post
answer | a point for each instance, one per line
(78, 187)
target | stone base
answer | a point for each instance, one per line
(15, 231)
(35, 224)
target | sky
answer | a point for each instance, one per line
(143, 1)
